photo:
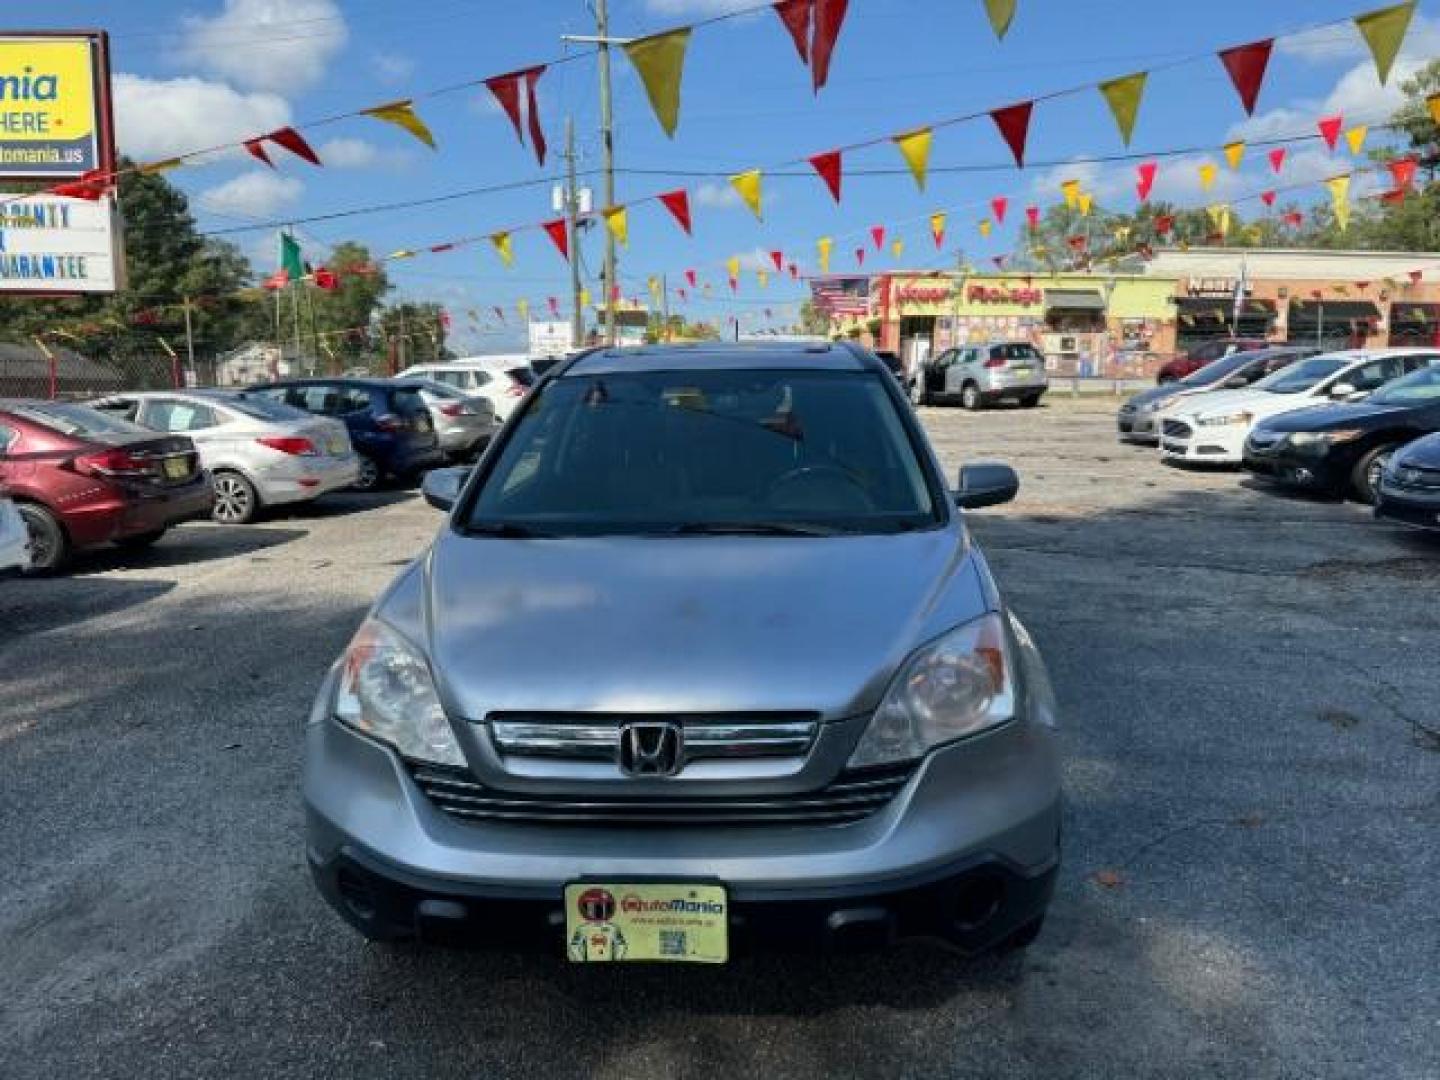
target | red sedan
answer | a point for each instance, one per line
(81, 478)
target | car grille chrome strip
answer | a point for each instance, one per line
(724, 737)
(850, 798)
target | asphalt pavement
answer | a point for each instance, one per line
(1252, 767)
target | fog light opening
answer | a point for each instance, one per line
(356, 895)
(978, 901)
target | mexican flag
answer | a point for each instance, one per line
(290, 263)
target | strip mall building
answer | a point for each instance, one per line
(1127, 323)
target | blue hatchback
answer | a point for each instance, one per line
(389, 423)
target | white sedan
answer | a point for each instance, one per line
(1212, 427)
(14, 539)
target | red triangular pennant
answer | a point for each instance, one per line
(999, 205)
(678, 203)
(828, 166)
(1277, 159)
(256, 147)
(554, 302)
(1403, 171)
(1393, 198)
(1147, 171)
(1246, 65)
(778, 258)
(506, 89)
(793, 271)
(1032, 216)
(537, 136)
(556, 231)
(1294, 217)
(829, 14)
(1330, 129)
(860, 256)
(1014, 124)
(1163, 224)
(690, 277)
(291, 140)
(734, 284)
(877, 233)
(795, 14)
(1077, 243)
(1268, 198)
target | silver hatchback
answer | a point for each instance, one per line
(979, 375)
(703, 660)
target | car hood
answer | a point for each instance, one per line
(1156, 395)
(1340, 415)
(1258, 402)
(1423, 452)
(705, 624)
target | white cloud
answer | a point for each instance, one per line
(285, 44)
(392, 67)
(1336, 44)
(252, 194)
(159, 118)
(719, 195)
(347, 152)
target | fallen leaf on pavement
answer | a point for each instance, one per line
(1110, 879)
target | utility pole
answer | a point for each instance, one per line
(664, 308)
(602, 40)
(295, 312)
(572, 210)
(189, 340)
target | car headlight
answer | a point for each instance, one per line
(387, 692)
(1225, 419)
(958, 685)
(1327, 438)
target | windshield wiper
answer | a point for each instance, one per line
(504, 529)
(749, 528)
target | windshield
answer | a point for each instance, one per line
(1297, 378)
(1414, 389)
(1217, 370)
(708, 451)
(80, 420)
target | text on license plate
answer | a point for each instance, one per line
(176, 468)
(685, 923)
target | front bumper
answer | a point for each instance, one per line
(974, 830)
(1132, 427)
(1202, 445)
(1285, 465)
(1418, 509)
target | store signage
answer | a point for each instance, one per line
(54, 115)
(553, 338)
(1215, 288)
(55, 244)
(923, 294)
(986, 294)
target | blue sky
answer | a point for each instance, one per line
(201, 72)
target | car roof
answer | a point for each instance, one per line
(469, 362)
(340, 380)
(712, 356)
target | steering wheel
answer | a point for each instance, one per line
(811, 474)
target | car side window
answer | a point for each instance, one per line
(128, 408)
(477, 379)
(1415, 363)
(7, 436)
(353, 399)
(167, 414)
(1373, 375)
(321, 399)
(946, 358)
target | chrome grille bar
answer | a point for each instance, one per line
(599, 739)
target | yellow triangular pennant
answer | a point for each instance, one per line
(1207, 176)
(1219, 218)
(402, 253)
(897, 248)
(1085, 200)
(824, 246)
(915, 149)
(1123, 96)
(660, 60)
(617, 220)
(501, 240)
(748, 185)
(1340, 199)
(1383, 31)
(523, 307)
(154, 167)
(1355, 137)
(985, 226)
(402, 114)
(1071, 190)
(1001, 13)
(1234, 154)
(937, 227)
(763, 277)
(584, 298)
(732, 265)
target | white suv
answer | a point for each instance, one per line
(980, 375)
(1213, 427)
(503, 380)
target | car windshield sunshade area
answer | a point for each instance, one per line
(767, 452)
(1300, 377)
(258, 408)
(80, 420)
(1216, 370)
(1420, 388)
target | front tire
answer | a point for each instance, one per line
(1031, 401)
(1022, 938)
(970, 397)
(49, 545)
(369, 478)
(1365, 477)
(236, 501)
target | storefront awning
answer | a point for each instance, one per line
(1074, 300)
(1338, 310)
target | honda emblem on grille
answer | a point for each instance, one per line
(651, 749)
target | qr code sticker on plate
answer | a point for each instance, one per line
(673, 943)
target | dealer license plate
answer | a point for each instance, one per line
(337, 446)
(176, 468)
(683, 923)
(1022, 370)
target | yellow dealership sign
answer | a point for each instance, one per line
(54, 105)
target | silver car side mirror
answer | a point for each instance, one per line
(1342, 391)
(441, 487)
(988, 484)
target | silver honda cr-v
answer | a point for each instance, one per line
(704, 660)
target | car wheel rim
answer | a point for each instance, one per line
(41, 550)
(1373, 474)
(969, 397)
(232, 500)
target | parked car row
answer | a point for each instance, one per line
(1361, 423)
(125, 468)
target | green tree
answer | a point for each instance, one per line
(342, 316)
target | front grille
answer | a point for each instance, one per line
(853, 796)
(592, 736)
(1263, 440)
(1177, 429)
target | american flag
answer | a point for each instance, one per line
(841, 297)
